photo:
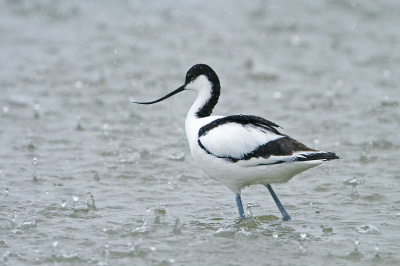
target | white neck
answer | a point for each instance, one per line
(193, 123)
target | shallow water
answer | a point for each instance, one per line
(327, 72)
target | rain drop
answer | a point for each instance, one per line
(177, 227)
(35, 174)
(90, 202)
(249, 206)
(75, 197)
(54, 248)
(356, 244)
(6, 191)
(28, 224)
(277, 95)
(96, 176)
(79, 123)
(316, 142)
(275, 234)
(377, 258)
(63, 203)
(303, 236)
(36, 110)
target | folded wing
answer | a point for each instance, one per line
(251, 140)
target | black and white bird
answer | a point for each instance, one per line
(240, 150)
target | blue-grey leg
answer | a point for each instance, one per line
(240, 206)
(285, 215)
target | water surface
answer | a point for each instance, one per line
(327, 72)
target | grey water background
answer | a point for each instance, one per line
(326, 71)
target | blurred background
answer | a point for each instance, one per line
(89, 178)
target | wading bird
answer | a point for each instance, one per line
(240, 150)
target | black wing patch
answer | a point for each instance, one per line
(284, 146)
(240, 119)
(281, 147)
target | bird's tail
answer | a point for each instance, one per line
(318, 156)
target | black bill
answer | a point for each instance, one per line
(181, 88)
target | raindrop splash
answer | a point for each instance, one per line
(96, 176)
(63, 203)
(79, 123)
(376, 248)
(90, 202)
(177, 156)
(354, 192)
(249, 206)
(75, 198)
(355, 254)
(302, 239)
(160, 209)
(275, 234)
(177, 227)
(35, 174)
(36, 110)
(366, 229)
(28, 224)
(54, 249)
(377, 259)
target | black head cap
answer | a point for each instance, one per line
(201, 69)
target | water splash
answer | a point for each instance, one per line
(249, 206)
(36, 111)
(157, 219)
(142, 228)
(355, 254)
(96, 176)
(29, 224)
(353, 184)
(177, 156)
(78, 124)
(177, 227)
(63, 203)
(377, 258)
(75, 198)
(12, 223)
(106, 253)
(90, 202)
(81, 208)
(327, 228)
(275, 234)
(302, 239)
(35, 173)
(160, 209)
(54, 248)
(366, 229)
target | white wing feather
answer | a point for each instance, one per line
(278, 159)
(235, 140)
